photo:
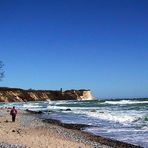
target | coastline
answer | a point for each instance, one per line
(30, 131)
(21, 95)
(112, 143)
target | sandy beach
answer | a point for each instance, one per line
(29, 131)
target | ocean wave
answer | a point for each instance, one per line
(54, 107)
(30, 106)
(125, 102)
(118, 117)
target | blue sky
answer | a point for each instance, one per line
(100, 45)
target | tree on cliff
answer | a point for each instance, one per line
(1, 70)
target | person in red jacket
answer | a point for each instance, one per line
(13, 113)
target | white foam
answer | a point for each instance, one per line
(125, 102)
(56, 107)
(145, 128)
(120, 117)
(61, 102)
(31, 105)
(72, 108)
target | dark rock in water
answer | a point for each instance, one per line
(34, 112)
(40, 112)
(50, 111)
(13, 130)
(101, 112)
(68, 109)
(93, 110)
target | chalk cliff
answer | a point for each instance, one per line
(20, 95)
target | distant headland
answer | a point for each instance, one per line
(20, 95)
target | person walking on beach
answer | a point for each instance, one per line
(13, 113)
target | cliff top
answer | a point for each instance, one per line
(20, 89)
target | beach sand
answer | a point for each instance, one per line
(30, 131)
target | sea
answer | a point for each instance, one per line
(120, 119)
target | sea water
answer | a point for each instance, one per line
(121, 119)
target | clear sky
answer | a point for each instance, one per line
(100, 45)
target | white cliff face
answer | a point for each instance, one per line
(87, 95)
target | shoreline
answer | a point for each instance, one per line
(79, 127)
(31, 132)
(50, 133)
(102, 140)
